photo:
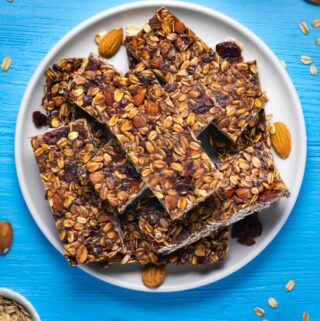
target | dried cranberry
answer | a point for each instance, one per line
(247, 229)
(230, 51)
(246, 240)
(144, 79)
(191, 69)
(220, 98)
(53, 136)
(208, 56)
(202, 105)
(87, 100)
(131, 171)
(170, 87)
(154, 23)
(93, 64)
(184, 185)
(39, 119)
(168, 155)
(70, 171)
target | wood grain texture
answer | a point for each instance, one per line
(28, 29)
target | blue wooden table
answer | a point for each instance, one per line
(28, 29)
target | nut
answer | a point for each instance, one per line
(6, 236)
(281, 140)
(138, 99)
(153, 275)
(110, 43)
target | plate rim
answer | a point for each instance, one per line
(138, 5)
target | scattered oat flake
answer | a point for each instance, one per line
(290, 285)
(316, 23)
(146, 27)
(132, 30)
(6, 63)
(305, 316)
(272, 129)
(313, 69)
(273, 303)
(259, 312)
(317, 41)
(10, 1)
(306, 60)
(304, 27)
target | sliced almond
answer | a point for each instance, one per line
(153, 275)
(6, 237)
(6, 63)
(317, 41)
(110, 43)
(281, 139)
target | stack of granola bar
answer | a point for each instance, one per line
(125, 175)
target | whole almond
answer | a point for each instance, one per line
(138, 98)
(179, 26)
(281, 140)
(153, 275)
(6, 236)
(111, 42)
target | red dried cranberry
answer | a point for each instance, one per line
(246, 240)
(202, 105)
(184, 185)
(247, 229)
(53, 136)
(70, 172)
(39, 119)
(230, 51)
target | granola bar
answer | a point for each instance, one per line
(113, 177)
(151, 132)
(251, 183)
(140, 247)
(196, 78)
(87, 228)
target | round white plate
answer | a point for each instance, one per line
(212, 27)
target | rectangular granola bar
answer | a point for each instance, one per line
(113, 177)
(87, 229)
(151, 132)
(203, 86)
(251, 183)
(140, 247)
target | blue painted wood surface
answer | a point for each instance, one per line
(28, 29)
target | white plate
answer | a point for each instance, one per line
(212, 27)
